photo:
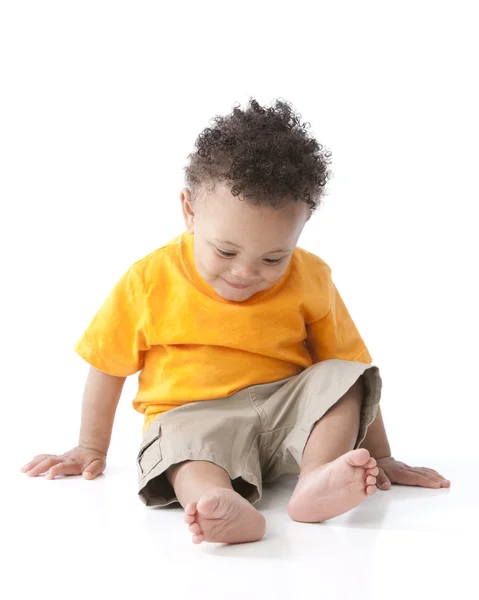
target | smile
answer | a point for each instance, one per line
(238, 287)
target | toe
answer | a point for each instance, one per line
(370, 480)
(374, 472)
(190, 509)
(359, 458)
(208, 504)
(189, 518)
(371, 489)
(371, 463)
(194, 528)
(197, 539)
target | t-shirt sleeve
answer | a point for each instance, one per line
(116, 340)
(335, 335)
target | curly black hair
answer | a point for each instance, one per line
(262, 152)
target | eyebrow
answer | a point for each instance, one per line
(236, 245)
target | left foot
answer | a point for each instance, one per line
(224, 516)
(334, 488)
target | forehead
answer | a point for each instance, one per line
(228, 217)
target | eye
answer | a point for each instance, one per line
(225, 254)
(267, 261)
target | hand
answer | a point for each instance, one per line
(78, 461)
(393, 471)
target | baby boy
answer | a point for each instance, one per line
(251, 367)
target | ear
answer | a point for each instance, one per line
(188, 210)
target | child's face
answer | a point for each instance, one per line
(238, 243)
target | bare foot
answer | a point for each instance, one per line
(335, 488)
(224, 516)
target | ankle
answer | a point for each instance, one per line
(310, 467)
(193, 479)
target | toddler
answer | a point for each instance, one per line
(251, 367)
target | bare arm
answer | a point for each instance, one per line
(100, 400)
(376, 440)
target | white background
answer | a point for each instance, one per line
(101, 102)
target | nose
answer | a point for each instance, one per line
(244, 272)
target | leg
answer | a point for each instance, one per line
(334, 478)
(336, 432)
(213, 510)
(194, 478)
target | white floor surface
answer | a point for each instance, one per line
(71, 538)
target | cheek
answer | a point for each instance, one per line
(273, 274)
(217, 265)
(273, 277)
(212, 266)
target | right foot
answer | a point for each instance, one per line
(226, 517)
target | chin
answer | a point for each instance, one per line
(235, 294)
(229, 293)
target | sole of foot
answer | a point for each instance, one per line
(226, 517)
(334, 488)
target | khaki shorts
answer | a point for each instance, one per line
(257, 434)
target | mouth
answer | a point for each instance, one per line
(237, 286)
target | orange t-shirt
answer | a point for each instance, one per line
(190, 344)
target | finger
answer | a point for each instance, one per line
(432, 471)
(64, 468)
(410, 477)
(95, 468)
(429, 474)
(44, 465)
(437, 478)
(382, 481)
(34, 462)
